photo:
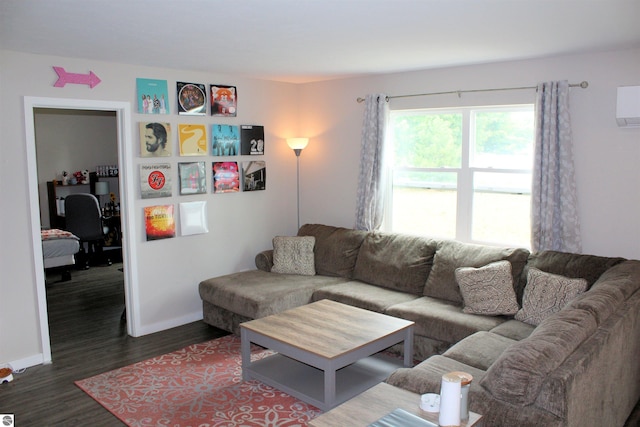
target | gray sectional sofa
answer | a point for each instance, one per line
(574, 365)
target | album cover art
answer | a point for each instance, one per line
(193, 178)
(155, 180)
(254, 176)
(224, 100)
(153, 96)
(251, 140)
(192, 98)
(159, 222)
(155, 139)
(225, 140)
(193, 139)
(226, 177)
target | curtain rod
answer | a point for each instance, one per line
(583, 85)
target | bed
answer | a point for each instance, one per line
(59, 248)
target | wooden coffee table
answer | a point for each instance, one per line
(377, 402)
(327, 352)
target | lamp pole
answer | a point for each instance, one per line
(298, 151)
(297, 145)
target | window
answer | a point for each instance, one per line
(462, 174)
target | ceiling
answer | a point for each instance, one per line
(309, 40)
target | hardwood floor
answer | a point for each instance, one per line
(88, 337)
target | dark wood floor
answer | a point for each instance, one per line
(88, 337)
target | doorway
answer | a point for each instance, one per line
(122, 113)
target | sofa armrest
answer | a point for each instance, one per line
(264, 260)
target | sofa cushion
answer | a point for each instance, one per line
(514, 329)
(479, 350)
(488, 290)
(589, 267)
(451, 254)
(442, 320)
(363, 295)
(547, 294)
(261, 293)
(336, 248)
(294, 255)
(426, 377)
(518, 374)
(395, 261)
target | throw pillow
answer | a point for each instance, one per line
(294, 255)
(546, 294)
(488, 290)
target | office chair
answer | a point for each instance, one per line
(84, 219)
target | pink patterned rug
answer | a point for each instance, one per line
(198, 386)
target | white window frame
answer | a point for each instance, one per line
(465, 173)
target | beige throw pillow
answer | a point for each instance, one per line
(294, 255)
(488, 290)
(546, 294)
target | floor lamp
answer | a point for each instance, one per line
(297, 145)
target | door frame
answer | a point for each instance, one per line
(123, 123)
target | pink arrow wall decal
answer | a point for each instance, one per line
(81, 79)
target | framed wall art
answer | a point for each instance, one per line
(155, 180)
(153, 96)
(159, 222)
(155, 139)
(224, 100)
(226, 177)
(192, 98)
(225, 140)
(254, 176)
(192, 139)
(193, 179)
(251, 140)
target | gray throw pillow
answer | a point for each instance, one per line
(488, 290)
(294, 255)
(546, 294)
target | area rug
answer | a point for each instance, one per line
(198, 386)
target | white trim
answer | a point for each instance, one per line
(123, 114)
(171, 323)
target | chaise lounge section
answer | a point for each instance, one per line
(576, 365)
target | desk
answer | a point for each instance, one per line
(113, 233)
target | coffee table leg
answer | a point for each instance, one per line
(329, 387)
(408, 347)
(245, 351)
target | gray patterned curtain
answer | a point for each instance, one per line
(369, 201)
(554, 204)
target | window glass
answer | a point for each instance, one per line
(431, 140)
(463, 174)
(424, 203)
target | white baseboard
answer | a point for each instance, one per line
(27, 362)
(171, 323)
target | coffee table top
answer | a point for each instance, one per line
(327, 328)
(375, 403)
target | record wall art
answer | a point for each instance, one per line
(224, 100)
(152, 96)
(192, 98)
(251, 140)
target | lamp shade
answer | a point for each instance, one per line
(102, 188)
(297, 143)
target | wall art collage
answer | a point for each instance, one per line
(157, 140)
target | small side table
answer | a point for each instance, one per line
(377, 402)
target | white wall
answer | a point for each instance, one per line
(169, 270)
(327, 112)
(606, 156)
